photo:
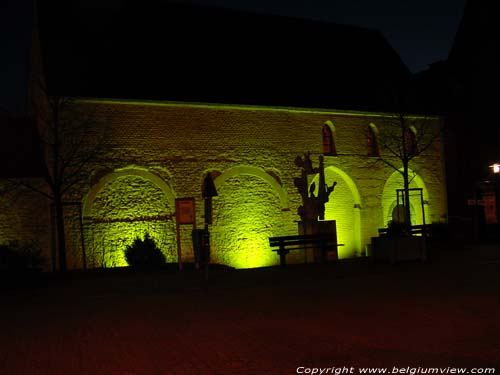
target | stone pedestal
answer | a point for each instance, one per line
(328, 227)
(399, 248)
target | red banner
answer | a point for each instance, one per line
(490, 207)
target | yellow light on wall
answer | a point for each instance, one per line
(247, 212)
(126, 207)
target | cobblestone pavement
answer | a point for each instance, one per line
(443, 314)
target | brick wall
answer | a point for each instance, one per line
(156, 152)
(25, 219)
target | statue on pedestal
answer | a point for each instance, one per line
(313, 207)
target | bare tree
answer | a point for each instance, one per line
(70, 142)
(403, 138)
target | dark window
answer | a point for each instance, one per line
(372, 142)
(328, 141)
(410, 142)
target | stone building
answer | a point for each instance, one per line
(459, 88)
(242, 113)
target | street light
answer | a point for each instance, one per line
(495, 168)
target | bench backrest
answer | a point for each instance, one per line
(414, 229)
(305, 239)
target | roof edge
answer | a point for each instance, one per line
(249, 107)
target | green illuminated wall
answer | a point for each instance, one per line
(10, 221)
(25, 220)
(344, 207)
(247, 212)
(124, 208)
(160, 151)
(389, 201)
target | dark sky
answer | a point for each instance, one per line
(15, 38)
(420, 31)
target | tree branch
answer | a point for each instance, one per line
(29, 187)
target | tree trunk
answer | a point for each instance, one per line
(57, 185)
(61, 240)
(321, 189)
(406, 191)
(405, 158)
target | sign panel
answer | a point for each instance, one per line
(471, 202)
(185, 210)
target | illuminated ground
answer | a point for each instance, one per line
(446, 313)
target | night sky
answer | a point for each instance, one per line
(421, 31)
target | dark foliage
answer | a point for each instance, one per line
(144, 253)
(439, 231)
(14, 256)
(396, 228)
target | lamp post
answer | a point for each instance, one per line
(491, 207)
(485, 192)
(207, 193)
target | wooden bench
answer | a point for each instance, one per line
(395, 248)
(285, 244)
(422, 230)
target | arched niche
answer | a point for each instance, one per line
(344, 207)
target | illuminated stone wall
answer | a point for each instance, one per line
(125, 208)
(250, 152)
(25, 219)
(161, 151)
(10, 222)
(247, 213)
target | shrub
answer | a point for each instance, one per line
(144, 253)
(395, 228)
(439, 230)
(14, 256)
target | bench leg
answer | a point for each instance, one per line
(282, 252)
(282, 260)
(324, 253)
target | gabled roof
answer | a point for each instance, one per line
(475, 55)
(160, 50)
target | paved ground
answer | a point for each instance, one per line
(445, 313)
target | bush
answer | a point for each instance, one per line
(14, 256)
(439, 230)
(395, 228)
(144, 254)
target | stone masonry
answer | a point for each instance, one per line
(159, 151)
